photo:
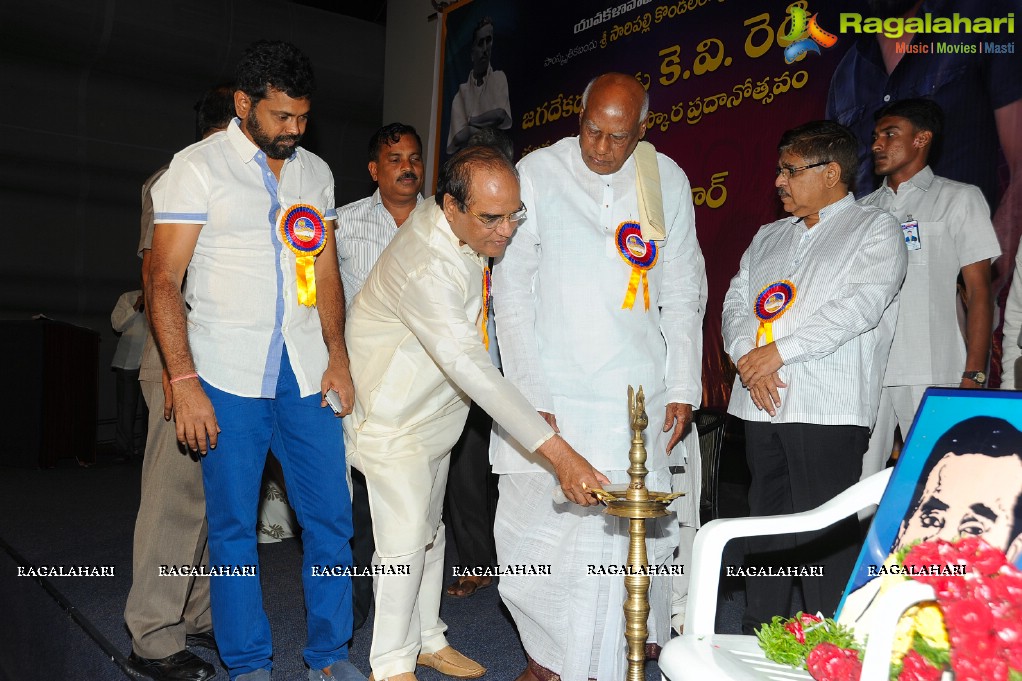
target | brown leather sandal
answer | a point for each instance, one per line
(467, 585)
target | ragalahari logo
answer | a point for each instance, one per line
(805, 35)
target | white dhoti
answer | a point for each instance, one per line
(686, 477)
(571, 621)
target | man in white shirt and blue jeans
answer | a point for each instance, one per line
(808, 320)
(247, 211)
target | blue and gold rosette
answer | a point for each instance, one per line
(303, 230)
(771, 303)
(641, 256)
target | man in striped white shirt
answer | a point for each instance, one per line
(364, 228)
(809, 320)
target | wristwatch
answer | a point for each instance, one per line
(976, 376)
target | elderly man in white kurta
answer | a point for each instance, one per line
(586, 306)
(419, 357)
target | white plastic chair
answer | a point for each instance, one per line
(701, 655)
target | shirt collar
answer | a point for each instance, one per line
(376, 200)
(923, 179)
(440, 220)
(837, 206)
(829, 210)
(246, 148)
(486, 77)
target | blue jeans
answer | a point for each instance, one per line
(306, 439)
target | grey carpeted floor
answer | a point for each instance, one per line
(85, 516)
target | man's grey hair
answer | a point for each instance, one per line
(645, 98)
(819, 141)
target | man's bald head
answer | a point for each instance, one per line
(618, 85)
(612, 122)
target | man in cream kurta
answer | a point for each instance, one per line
(578, 323)
(418, 358)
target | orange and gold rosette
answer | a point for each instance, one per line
(303, 230)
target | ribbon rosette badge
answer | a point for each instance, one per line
(487, 288)
(302, 229)
(772, 302)
(641, 255)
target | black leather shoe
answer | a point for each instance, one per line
(203, 639)
(182, 666)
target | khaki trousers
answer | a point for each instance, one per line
(170, 530)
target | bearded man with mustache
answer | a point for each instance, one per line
(250, 215)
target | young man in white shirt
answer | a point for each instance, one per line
(948, 234)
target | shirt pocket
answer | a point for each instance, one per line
(847, 113)
(946, 73)
(933, 240)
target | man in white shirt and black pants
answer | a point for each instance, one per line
(808, 320)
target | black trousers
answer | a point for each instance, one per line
(362, 548)
(128, 394)
(796, 467)
(472, 493)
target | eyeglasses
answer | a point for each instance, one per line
(789, 172)
(493, 221)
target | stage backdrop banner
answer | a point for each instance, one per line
(725, 79)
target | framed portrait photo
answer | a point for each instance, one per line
(959, 474)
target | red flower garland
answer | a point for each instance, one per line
(982, 611)
(827, 661)
(796, 627)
